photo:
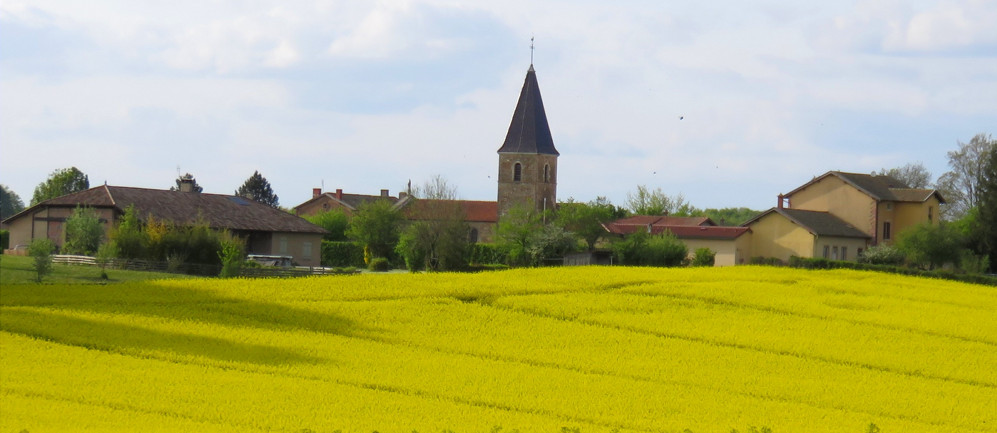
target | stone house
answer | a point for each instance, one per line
(264, 229)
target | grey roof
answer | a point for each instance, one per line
(818, 223)
(218, 211)
(529, 131)
(878, 187)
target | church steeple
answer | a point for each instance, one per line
(527, 159)
(529, 131)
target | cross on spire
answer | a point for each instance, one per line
(531, 50)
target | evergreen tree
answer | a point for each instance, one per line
(59, 183)
(10, 203)
(257, 188)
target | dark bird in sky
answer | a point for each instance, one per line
(681, 117)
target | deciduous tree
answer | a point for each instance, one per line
(257, 188)
(914, 175)
(585, 220)
(59, 183)
(84, 232)
(647, 202)
(375, 225)
(960, 186)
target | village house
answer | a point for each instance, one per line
(731, 245)
(837, 215)
(266, 230)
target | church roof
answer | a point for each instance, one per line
(529, 131)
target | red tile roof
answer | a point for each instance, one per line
(681, 231)
(662, 220)
(474, 211)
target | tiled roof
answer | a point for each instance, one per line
(219, 211)
(818, 223)
(915, 194)
(680, 231)
(429, 209)
(529, 131)
(883, 188)
(644, 220)
(353, 201)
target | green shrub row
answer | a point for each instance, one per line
(340, 254)
(488, 254)
(4, 240)
(807, 263)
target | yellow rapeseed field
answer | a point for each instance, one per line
(590, 349)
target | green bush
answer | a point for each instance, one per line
(337, 254)
(379, 264)
(882, 255)
(766, 261)
(231, 257)
(642, 249)
(807, 263)
(704, 257)
(40, 251)
(84, 232)
(4, 240)
(487, 254)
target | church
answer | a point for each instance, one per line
(527, 175)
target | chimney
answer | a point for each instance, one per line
(339, 193)
(384, 193)
(402, 194)
(316, 192)
(782, 199)
(187, 183)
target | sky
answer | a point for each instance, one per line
(728, 103)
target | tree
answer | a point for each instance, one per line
(985, 229)
(188, 178)
(334, 221)
(59, 183)
(83, 232)
(647, 202)
(40, 251)
(960, 186)
(439, 242)
(375, 226)
(914, 175)
(642, 249)
(258, 188)
(728, 216)
(10, 203)
(586, 220)
(930, 246)
(129, 240)
(515, 233)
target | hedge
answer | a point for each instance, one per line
(807, 263)
(338, 254)
(488, 254)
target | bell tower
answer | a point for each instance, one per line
(527, 159)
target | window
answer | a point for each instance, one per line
(472, 237)
(283, 246)
(886, 231)
(517, 172)
(834, 253)
(844, 253)
(827, 251)
(306, 250)
(859, 253)
(889, 206)
(546, 173)
(930, 216)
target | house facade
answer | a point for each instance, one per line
(838, 215)
(264, 229)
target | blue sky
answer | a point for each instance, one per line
(369, 95)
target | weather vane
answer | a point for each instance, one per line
(531, 49)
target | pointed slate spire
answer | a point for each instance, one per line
(529, 132)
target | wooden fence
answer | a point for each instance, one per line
(193, 268)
